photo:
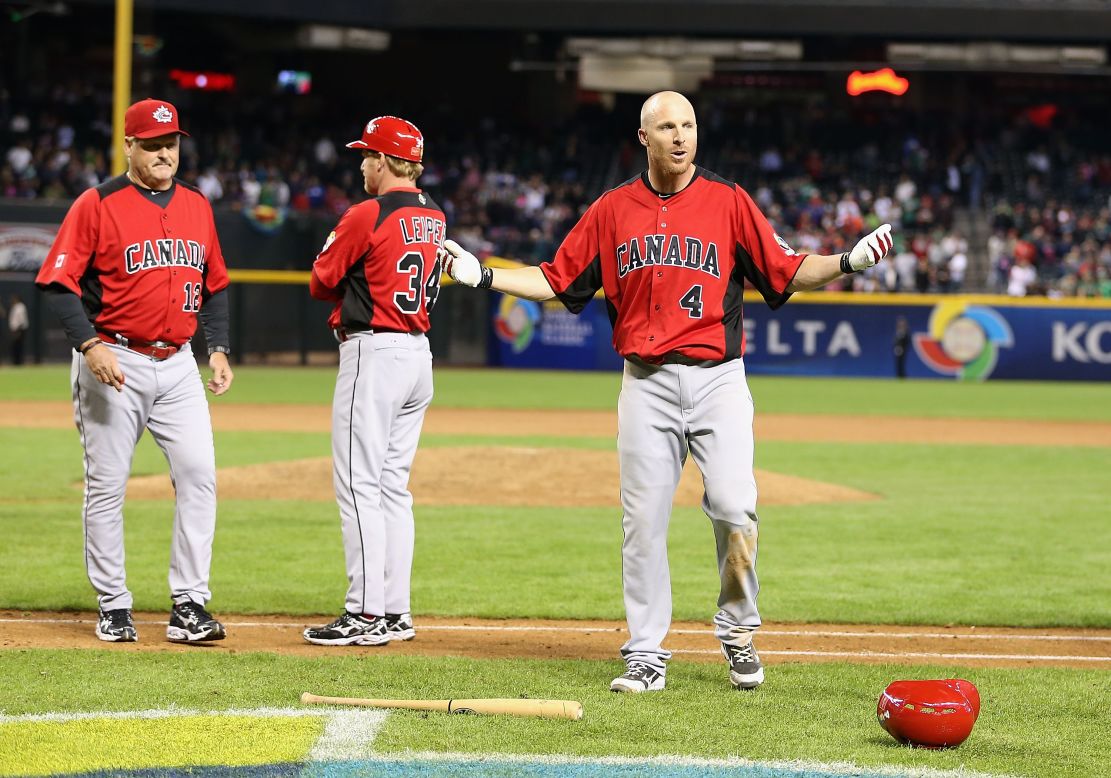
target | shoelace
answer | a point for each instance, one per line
(347, 620)
(637, 669)
(743, 653)
(117, 619)
(342, 621)
(194, 613)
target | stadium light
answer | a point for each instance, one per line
(883, 80)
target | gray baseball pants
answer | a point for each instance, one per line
(167, 398)
(383, 389)
(664, 412)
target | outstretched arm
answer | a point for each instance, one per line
(527, 282)
(819, 269)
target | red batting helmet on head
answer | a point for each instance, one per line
(929, 714)
(392, 136)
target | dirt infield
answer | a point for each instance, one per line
(691, 642)
(815, 428)
(458, 476)
(437, 478)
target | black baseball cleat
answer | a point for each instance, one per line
(191, 623)
(350, 629)
(638, 677)
(400, 626)
(116, 626)
(745, 670)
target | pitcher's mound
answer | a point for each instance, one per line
(491, 475)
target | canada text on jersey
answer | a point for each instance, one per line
(680, 252)
(164, 253)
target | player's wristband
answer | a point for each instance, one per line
(222, 349)
(846, 268)
(487, 278)
(90, 345)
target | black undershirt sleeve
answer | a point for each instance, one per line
(69, 309)
(214, 316)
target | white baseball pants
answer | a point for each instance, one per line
(664, 412)
(383, 389)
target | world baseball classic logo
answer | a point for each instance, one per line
(516, 322)
(963, 340)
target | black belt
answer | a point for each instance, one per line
(343, 333)
(675, 358)
(155, 349)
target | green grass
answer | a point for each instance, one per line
(1033, 722)
(494, 388)
(963, 534)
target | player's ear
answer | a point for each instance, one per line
(642, 135)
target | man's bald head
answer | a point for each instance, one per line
(662, 102)
(669, 133)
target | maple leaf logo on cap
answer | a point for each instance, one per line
(163, 115)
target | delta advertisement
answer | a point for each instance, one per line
(966, 338)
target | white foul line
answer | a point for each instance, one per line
(348, 735)
(589, 630)
(915, 654)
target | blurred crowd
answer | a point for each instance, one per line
(1041, 203)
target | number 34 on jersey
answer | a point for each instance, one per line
(380, 265)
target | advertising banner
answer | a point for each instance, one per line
(971, 338)
(547, 335)
(23, 247)
(964, 338)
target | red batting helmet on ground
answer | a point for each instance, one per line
(392, 136)
(929, 714)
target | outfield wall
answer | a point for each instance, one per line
(967, 337)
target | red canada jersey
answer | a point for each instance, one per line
(141, 268)
(380, 263)
(673, 267)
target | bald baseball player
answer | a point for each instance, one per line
(381, 268)
(671, 249)
(134, 265)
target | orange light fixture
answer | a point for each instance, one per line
(884, 80)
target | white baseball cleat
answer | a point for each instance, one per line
(400, 626)
(350, 629)
(638, 677)
(191, 623)
(745, 670)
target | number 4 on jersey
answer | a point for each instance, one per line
(692, 301)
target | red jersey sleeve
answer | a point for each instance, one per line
(575, 274)
(764, 257)
(74, 246)
(347, 244)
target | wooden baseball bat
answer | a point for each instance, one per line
(545, 709)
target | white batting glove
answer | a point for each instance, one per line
(464, 267)
(868, 251)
